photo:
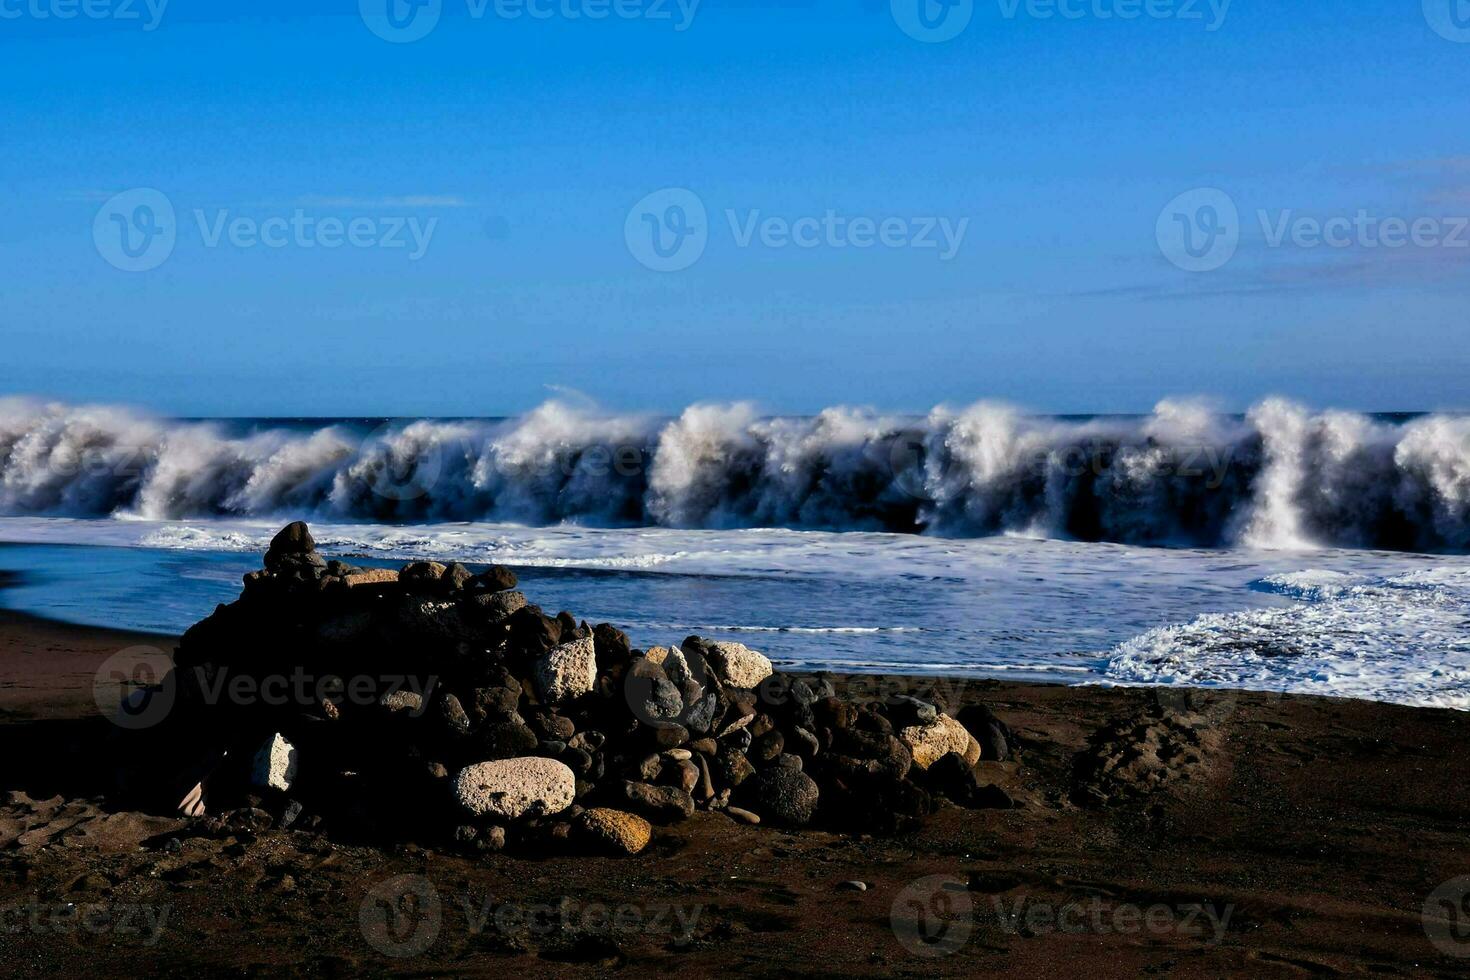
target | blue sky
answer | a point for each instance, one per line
(518, 147)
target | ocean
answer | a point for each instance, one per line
(1282, 549)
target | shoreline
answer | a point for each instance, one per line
(1315, 830)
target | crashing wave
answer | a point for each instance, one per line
(1280, 477)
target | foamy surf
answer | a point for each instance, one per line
(1279, 477)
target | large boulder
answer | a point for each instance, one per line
(615, 831)
(567, 671)
(509, 789)
(930, 743)
(735, 664)
(292, 540)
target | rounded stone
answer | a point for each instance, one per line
(787, 796)
(509, 789)
(930, 743)
(614, 830)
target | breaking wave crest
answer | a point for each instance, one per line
(1281, 476)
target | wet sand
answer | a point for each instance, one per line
(1159, 834)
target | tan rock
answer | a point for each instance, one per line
(930, 743)
(372, 576)
(615, 830)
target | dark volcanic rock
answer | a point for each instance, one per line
(611, 645)
(783, 795)
(506, 740)
(492, 607)
(496, 578)
(293, 539)
(905, 711)
(496, 703)
(661, 804)
(994, 735)
(731, 768)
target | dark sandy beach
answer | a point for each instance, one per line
(1272, 836)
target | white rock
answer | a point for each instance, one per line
(567, 671)
(737, 665)
(509, 789)
(274, 766)
(930, 743)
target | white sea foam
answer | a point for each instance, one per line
(1282, 477)
(1399, 638)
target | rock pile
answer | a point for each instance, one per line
(433, 703)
